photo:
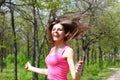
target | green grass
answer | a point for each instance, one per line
(8, 74)
(91, 72)
(102, 75)
(23, 74)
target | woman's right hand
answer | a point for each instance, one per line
(28, 65)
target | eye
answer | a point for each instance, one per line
(53, 29)
(60, 29)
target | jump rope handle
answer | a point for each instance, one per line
(80, 62)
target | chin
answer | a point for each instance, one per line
(56, 40)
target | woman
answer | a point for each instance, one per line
(61, 56)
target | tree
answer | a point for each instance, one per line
(15, 43)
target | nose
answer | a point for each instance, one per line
(55, 30)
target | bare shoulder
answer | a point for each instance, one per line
(68, 52)
(68, 49)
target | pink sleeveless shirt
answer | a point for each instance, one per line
(57, 66)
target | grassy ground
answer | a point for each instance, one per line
(8, 74)
(102, 75)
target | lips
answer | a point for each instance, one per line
(55, 35)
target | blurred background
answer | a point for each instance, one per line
(23, 36)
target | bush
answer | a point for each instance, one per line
(21, 59)
(92, 69)
(8, 60)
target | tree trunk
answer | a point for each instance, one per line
(1, 61)
(84, 58)
(1, 52)
(93, 56)
(15, 44)
(35, 75)
(100, 55)
(87, 55)
(28, 46)
(2, 43)
(1, 2)
(78, 49)
(84, 48)
(114, 56)
(1, 55)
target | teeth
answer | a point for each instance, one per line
(56, 36)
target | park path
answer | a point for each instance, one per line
(116, 75)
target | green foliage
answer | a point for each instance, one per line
(105, 73)
(22, 59)
(92, 78)
(2, 46)
(117, 63)
(94, 72)
(92, 69)
(7, 74)
(9, 59)
(104, 26)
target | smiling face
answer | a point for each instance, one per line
(58, 33)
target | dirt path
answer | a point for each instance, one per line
(116, 75)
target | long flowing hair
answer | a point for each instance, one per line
(72, 28)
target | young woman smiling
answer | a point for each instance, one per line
(61, 56)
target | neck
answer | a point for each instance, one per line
(59, 45)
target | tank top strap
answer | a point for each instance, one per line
(51, 49)
(63, 49)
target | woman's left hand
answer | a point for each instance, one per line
(79, 65)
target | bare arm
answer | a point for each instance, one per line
(74, 69)
(34, 69)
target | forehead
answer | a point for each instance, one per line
(58, 26)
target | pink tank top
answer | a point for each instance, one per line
(57, 66)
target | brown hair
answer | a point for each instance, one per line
(72, 29)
